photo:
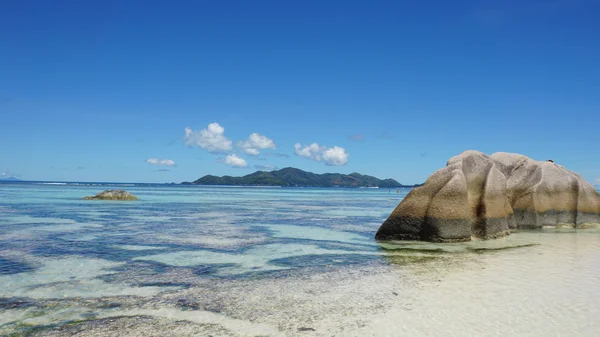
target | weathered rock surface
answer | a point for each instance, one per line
(483, 196)
(113, 195)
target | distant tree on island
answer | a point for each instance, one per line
(290, 176)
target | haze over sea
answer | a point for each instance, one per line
(250, 261)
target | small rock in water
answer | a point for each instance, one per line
(113, 195)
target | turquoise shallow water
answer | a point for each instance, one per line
(187, 253)
(229, 231)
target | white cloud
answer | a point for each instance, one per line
(312, 151)
(252, 152)
(235, 161)
(4, 174)
(335, 156)
(598, 180)
(211, 139)
(156, 161)
(256, 142)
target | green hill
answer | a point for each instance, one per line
(290, 176)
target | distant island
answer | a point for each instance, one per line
(9, 179)
(290, 176)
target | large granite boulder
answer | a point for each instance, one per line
(483, 196)
(113, 195)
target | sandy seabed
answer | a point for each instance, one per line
(541, 284)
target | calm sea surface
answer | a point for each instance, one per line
(223, 261)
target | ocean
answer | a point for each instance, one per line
(254, 261)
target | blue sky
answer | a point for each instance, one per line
(93, 90)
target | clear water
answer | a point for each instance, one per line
(274, 261)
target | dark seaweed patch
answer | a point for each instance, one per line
(16, 303)
(110, 305)
(414, 250)
(186, 304)
(409, 259)
(484, 250)
(322, 260)
(164, 284)
(25, 330)
(203, 270)
(9, 267)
